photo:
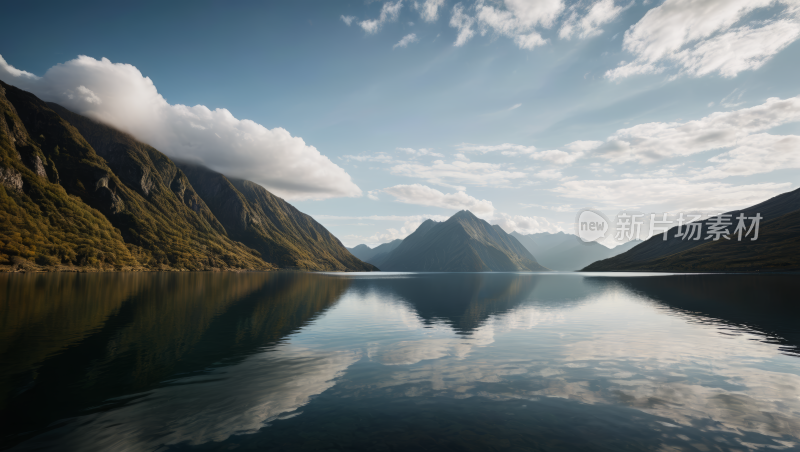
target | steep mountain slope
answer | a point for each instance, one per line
(39, 220)
(150, 225)
(650, 254)
(377, 254)
(463, 243)
(282, 234)
(777, 249)
(77, 192)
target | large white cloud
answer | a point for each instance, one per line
(708, 36)
(119, 95)
(652, 141)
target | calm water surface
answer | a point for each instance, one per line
(399, 362)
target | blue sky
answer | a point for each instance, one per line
(522, 111)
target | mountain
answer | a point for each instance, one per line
(566, 252)
(282, 234)
(776, 248)
(463, 243)
(377, 255)
(77, 193)
(542, 241)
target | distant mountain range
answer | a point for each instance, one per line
(76, 193)
(463, 243)
(375, 256)
(776, 249)
(566, 252)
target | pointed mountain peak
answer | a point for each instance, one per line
(465, 214)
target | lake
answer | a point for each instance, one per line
(291, 361)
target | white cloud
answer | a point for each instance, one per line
(373, 195)
(463, 23)
(120, 96)
(553, 156)
(508, 149)
(524, 225)
(600, 13)
(583, 146)
(672, 193)
(629, 69)
(406, 40)
(389, 13)
(561, 209)
(732, 100)
(652, 141)
(514, 107)
(420, 152)
(84, 94)
(379, 157)
(529, 41)
(557, 156)
(429, 9)
(519, 19)
(760, 153)
(348, 19)
(425, 196)
(548, 174)
(459, 171)
(540, 12)
(702, 37)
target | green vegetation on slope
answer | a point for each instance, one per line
(39, 220)
(79, 193)
(153, 227)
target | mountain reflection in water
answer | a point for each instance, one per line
(300, 361)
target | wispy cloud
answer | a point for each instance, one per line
(702, 37)
(348, 19)
(657, 140)
(406, 40)
(426, 196)
(389, 13)
(429, 9)
(460, 172)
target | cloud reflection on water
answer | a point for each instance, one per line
(693, 373)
